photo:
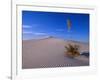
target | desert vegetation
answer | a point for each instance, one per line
(72, 50)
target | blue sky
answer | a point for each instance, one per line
(37, 25)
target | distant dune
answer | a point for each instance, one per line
(50, 52)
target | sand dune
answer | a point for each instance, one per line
(50, 52)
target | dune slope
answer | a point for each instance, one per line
(50, 52)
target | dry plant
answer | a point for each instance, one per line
(72, 50)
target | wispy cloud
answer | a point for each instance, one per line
(30, 26)
(39, 33)
(27, 32)
(26, 26)
(34, 33)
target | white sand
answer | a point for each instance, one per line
(50, 52)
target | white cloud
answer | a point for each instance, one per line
(26, 26)
(34, 33)
(27, 32)
(39, 33)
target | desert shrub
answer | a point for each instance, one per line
(72, 50)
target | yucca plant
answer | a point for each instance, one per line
(72, 50)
